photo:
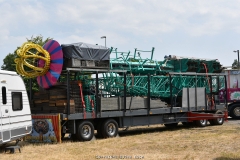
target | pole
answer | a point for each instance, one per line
(105, 39)
(105, 46)
(238, 58)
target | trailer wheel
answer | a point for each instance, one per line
(218, 121)
(109, 128)
(235, 111)
(85, 131)
(201, 123)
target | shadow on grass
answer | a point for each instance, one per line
(124, 133)
(226, 158)
(21, 144)
(13, 143)
(136, 131)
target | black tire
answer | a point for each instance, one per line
(218, 121)
(235, 111)
(109, 128)
(85, 131)
(201, 123)
(171, 125)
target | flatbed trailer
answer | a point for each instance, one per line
(131, 92)
(137, 111)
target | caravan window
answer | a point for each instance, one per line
(4, 95)
(17, 101)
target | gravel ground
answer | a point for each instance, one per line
(232, 121)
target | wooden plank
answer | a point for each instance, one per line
(37, 101)
(58, 97)
(52, 104)
(64, 103)
(58, 92)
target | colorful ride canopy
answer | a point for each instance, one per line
(45, 62)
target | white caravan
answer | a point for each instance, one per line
(16, 121)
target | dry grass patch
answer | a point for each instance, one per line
(156, 142)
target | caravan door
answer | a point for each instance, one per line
(5, 114)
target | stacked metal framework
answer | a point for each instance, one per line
(167, 77)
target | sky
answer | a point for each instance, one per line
(190, 28)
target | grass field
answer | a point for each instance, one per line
(150, 143)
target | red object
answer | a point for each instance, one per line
(83, 102)
(92, 104)
(193, 116)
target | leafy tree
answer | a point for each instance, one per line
(235, 64)
(9, 64)
(38, 40)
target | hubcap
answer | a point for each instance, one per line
(111, 129)
(86, 131)
(203, 121)
(220, 120)
(236, 111)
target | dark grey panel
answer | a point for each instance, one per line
(137, 112)
(112, 103)
(160, 110)
(20, 131)
(137, 121)
(221, 106)
(134, 112)
(154, 119)
(6, 135)
(111, 114)
(201, 99)
(200, 94)
(15, 134)
(117, 103)
(176, 109)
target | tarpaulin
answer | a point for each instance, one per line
(84, 51)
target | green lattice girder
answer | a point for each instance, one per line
(159, 85)
(135, 64)
(191, 65)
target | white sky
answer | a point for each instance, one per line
(199, 28)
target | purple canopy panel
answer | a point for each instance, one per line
(56, 63)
